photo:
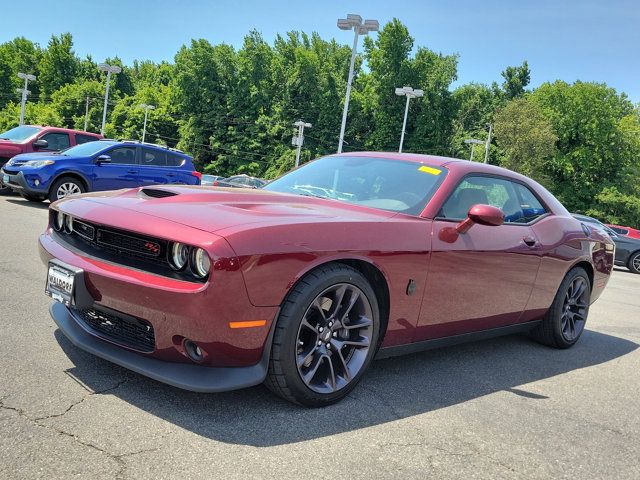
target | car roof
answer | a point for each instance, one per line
(450, 163)
(68, 130)
(115, 141)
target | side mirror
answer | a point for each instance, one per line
(482, 215)
(40, 143)
(100, 159)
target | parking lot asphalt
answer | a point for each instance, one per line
(502, 408)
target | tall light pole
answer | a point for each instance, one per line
(105, 67)
(409, 93)
(146, 112)
(486, 146)
(353, 22)
(298, 140)
(27, 78)
(471, 142)
(86, 114)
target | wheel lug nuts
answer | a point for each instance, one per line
(320, 329)
(319, 343)
(335, 334)
(329, 346)
(330, 324)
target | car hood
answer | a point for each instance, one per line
(23, 158)
(214, 209)
(9, 148)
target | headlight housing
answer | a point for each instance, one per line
(38, 163)
(200, 263)
(178, 255)
(68, 223)
(58, 221)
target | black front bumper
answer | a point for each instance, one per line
(196, 378)
(18, 183)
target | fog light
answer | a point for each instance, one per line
(193, 351)
(36, 182)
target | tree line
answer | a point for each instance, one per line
(233, 109)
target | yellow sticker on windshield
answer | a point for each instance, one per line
(432, 171)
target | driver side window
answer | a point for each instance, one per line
(492, 191)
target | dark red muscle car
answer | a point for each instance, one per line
(300, 284)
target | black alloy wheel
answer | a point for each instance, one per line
(325, 338)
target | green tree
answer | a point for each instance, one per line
(59, 64)
(525, 137)
(592, 152)
(515, 80)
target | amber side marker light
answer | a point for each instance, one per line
(248, 324)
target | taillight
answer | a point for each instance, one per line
(198, 175)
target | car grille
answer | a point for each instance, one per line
(129, 332)
(122, 247)
(124, 243)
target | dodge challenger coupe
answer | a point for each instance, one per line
(300, 284)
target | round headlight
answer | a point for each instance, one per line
(68, 223)
(58, 221)
(201, 263)
(178, 255)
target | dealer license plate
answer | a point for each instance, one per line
(60, 284)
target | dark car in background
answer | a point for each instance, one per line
(627, 248)
(35, 138)
(210, 179)
(95, 166)
(240, 181)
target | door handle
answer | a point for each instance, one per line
(132, 171)
(530, 241)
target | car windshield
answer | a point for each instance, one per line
(19, 133)
(393, 185)
(86, 149)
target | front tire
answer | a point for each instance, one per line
(64, 187)
(634, 263)
(325, 337)
(564, 323)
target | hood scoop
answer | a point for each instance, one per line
(157, 193)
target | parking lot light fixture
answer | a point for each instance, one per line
(298, 140)
(105, 67)
(471, 142)
(146, 112)
(24, 91)
(410, 93)
(354, 22)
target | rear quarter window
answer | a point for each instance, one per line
(80, 138)
(174, 160)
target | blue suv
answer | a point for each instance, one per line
(94, 166)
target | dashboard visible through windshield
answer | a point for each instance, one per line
(377, 182)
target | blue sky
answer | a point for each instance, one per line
(569, 40)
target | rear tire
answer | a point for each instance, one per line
(325, 337)
(634, 263)
(65, 186)
(564, 323)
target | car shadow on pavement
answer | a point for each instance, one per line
(393, 389)
(28, 203)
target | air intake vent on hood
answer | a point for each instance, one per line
(155, 193)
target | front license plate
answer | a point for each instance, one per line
(60, 284)
(5, 179)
